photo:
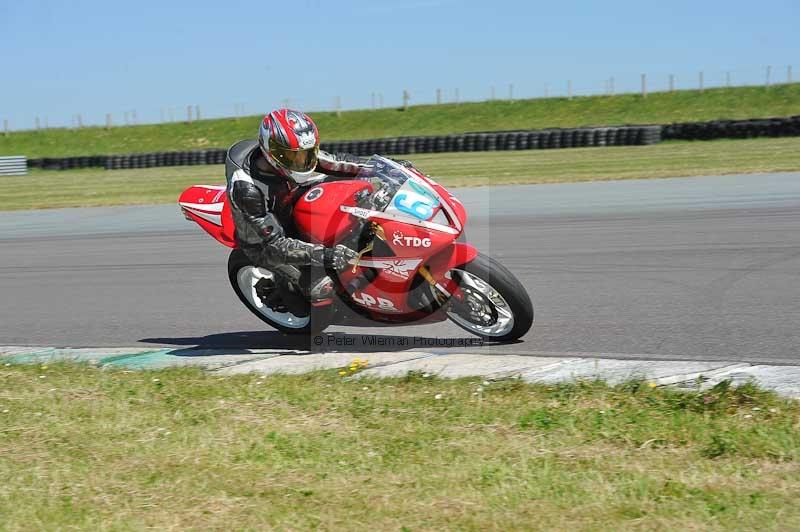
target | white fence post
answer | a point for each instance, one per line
(406, 97)
(438, 96)
(569, 89)
(644, 85)
(789, 74)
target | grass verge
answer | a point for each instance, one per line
(180, 448)
(657, 108)
(86, 188)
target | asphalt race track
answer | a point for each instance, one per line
(701, 268)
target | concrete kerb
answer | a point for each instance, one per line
(784, 380)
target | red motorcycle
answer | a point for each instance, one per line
(411, 267)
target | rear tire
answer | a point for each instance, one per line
(514, 297)
(239, 268)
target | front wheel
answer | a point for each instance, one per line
(492, 304)
(245, 279)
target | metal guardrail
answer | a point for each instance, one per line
(14, 165)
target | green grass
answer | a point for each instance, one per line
(82, 448)
(657, 108)
(83, 188)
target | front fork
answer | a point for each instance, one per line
(441, 293)
(435, 271)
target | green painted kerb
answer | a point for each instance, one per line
(137, 360)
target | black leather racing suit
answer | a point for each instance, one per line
(261, 204)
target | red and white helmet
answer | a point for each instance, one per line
(290, 142)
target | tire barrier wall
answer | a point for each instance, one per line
(733, 129)
(488, 141)
(134, 160)
(502, 141)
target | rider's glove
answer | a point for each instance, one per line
(403, 162)
(338, 257)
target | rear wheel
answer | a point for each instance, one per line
(493, 304)
(248, 282)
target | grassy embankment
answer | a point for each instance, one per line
(110, 449)
(47, 189)
(657, 108)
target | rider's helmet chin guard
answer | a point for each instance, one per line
(289, 141)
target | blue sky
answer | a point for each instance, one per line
(96, 57)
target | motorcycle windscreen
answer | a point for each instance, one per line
(411, 195)
(414, 199)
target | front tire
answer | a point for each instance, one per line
(242, 275)
(495, 305)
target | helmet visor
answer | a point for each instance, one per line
(294, 160)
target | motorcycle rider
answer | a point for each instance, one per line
(265, 177)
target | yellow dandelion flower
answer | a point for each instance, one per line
(342, 373)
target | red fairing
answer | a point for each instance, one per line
(208, 206)
(317, 214)
(411, 241)
(458, 254)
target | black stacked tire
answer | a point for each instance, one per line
(405, 145)
(567, 138)
(522, 141)
(534, 140)
(427, 145)
(469, 142)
